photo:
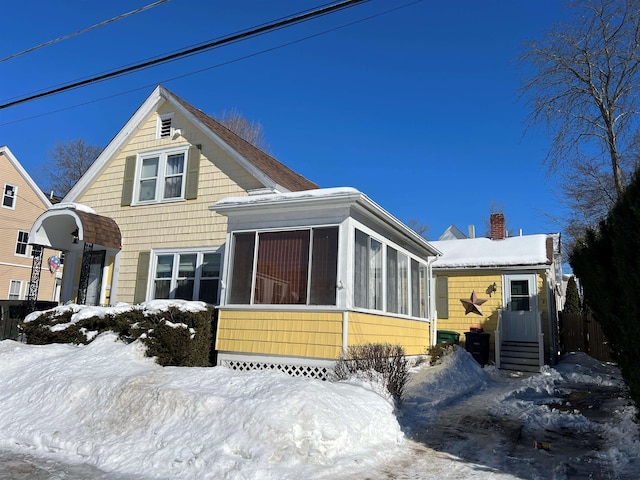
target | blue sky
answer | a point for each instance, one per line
(417, 108)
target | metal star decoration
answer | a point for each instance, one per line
(473, 304)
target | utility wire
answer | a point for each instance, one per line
(190, 51)
(218, 65)
(64, 37)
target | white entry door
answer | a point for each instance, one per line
(520, 315)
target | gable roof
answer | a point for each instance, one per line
(266, 169)
(452, 233)
(526, 250)
(23, 173)
(268, 165)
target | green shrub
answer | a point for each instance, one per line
(377, 360)
(174, 337)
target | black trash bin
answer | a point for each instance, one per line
(477, 344)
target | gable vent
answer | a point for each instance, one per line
(165, 127)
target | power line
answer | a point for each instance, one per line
(190, 51)
(218, 65)
(64, 37)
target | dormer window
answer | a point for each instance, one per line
(165, 126)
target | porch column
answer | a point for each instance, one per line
(83, 285)
(36, 268)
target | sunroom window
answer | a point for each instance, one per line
(161, 176)
(297, 267)
(403, 279)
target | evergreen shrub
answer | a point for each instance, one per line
(607, 263)
(174, 337)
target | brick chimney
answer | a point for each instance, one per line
(497, 226)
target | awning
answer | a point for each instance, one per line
(67, 226)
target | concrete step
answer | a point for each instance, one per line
(520, 356)
(519, 367)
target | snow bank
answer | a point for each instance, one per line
(432, 388)
(107, 405)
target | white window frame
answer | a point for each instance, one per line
(13, 195)
(27, 249)
(162, 156)
(161, 120)
(12, 295)
(424, 309)
(200, 253)
(254, 273)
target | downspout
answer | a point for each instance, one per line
(433, 331)
(345, 333)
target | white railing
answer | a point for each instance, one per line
(540, 340)
(498, 339)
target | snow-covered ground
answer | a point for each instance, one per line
(106, 411)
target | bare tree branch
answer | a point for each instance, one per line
(584, 88)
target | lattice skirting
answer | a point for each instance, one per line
(308, 371)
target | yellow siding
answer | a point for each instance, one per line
(413, 335)
(28, 207)
(460, 286)
(283, 333)
(186, 223)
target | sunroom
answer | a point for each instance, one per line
(307, 274)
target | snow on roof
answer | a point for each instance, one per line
(484, 252)
(275, 197)
(73, 206)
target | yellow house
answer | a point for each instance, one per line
(308, 274)
(22, 201)
(177, 204)
(137, 227)
(510, 287)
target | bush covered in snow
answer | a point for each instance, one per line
(171, 333)
(377, 359)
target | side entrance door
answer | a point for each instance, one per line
(94, 287)
(520, 315)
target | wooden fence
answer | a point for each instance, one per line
(581, 333)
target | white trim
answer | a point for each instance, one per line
(275, 359)
(160, 120)
(27, 178)
(11, 283)
(162, 155)
(153, 263)
(149, 106)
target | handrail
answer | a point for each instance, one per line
(498, 338)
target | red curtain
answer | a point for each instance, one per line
(283, 267)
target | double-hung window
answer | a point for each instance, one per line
(297, 267)
(9, 196)
(187, 276)
(15, 289)
(22, 243)
(161, 176)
